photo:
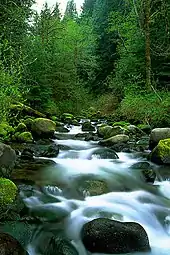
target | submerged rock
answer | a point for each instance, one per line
(146, 170)
(103, 235)
(93, 187)
(104, 153)
(9, 245)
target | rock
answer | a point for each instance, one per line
(134, 130)
(93, 187)
(49, 151)
(67, 118)
(105, 153)
(43, 128)
(7, 160)
(114, 140)
(27, 154)
(158, 134)
(28, 122)
(75, 122)
(108, 131)
(5, 130)
(9, 245)
(87, 126)
(103, 235)
(62, 129)
(25, 137)
(161, 153)
(145, 128)
(147, 172)
(21, 128)
(121, 123)
(8, 191)
(58, 244)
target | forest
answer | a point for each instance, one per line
(112, 58)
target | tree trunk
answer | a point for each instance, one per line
(147, 43)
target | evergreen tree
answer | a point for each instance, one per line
(71, 11)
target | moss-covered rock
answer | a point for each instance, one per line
(108, 131)
(161, 153)
(21, 128)
(121, 124)
(145, 128)
(5, 131)
(43, 128)
(114, 140)
(67, 118)
(25, 137)
(8, 191)
(28, 122)
(87, 126)
(93, 187)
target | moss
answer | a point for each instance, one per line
(161, 153)
(28, 122)
(21, 127)
(25, 137)
(121, 123)
(8, 191)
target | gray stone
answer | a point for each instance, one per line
(7, 160)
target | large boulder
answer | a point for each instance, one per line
(108, 131)
(158, 134)
(7, 160)
(161, 153)
(114, 140)
(9, 245)
(103, 235)
(43, 128)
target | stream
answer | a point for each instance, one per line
(129, 197)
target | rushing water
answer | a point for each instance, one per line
(130, 198)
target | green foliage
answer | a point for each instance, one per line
(10, 80)
(8, 191)
(147, 109)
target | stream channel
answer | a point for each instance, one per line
(129, 197)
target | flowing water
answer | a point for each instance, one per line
(129, 199)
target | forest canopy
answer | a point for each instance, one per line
(113, 56)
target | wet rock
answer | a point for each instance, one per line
(87, 126)
(7, 160)
(62, 129)
(43, 128)
(124, 147)
(91, 185)
(105, 153)
(50, 244)
(114, 140)
(158, 134)
(49, 151)
(161, 153)
(147, 172)
(9, 245)
(109, 236)
(27, 154)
